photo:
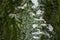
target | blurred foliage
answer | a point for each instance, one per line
(16, 27)
(8, 27)
(52, 16)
